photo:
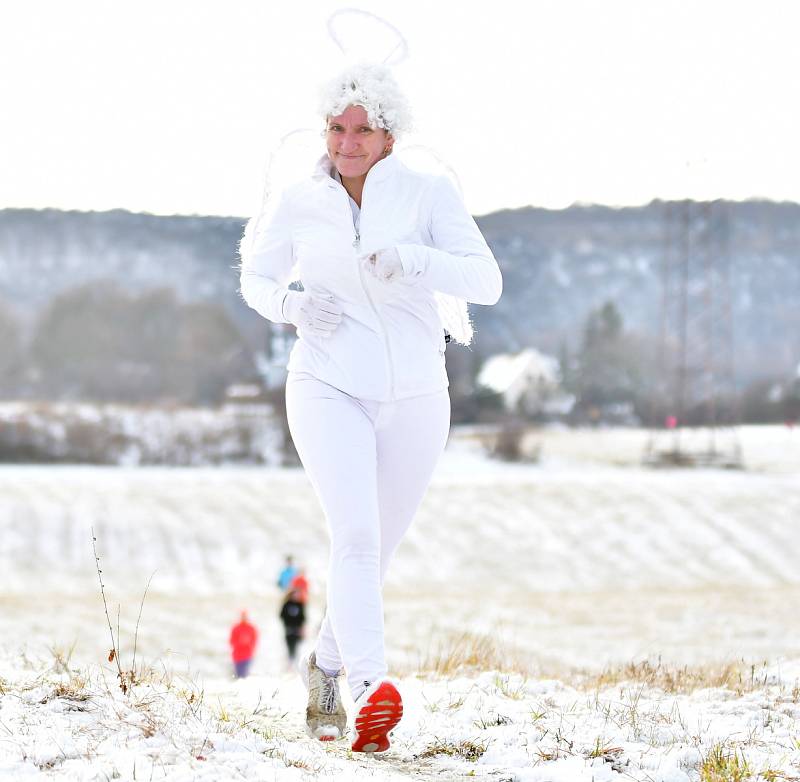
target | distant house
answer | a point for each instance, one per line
(529, 382)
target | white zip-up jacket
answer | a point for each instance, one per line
(390, 343)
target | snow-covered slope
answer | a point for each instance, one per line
(577, 562)
(557, 571)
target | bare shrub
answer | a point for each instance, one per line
(509, 444)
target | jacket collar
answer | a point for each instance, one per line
(379, 171)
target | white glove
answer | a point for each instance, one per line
(317, 313)
(384, 265)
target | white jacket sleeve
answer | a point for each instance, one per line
(267, 261)
(460, 263)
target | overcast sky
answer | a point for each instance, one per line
(172, 106)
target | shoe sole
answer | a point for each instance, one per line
(324, 733)
(376, 718)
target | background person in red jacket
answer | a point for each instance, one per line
(243, 643)
(299, 585)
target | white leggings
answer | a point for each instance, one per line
(370, 464)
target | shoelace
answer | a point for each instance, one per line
(328, 694)
(367, 685)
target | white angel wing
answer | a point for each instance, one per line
(292, 160)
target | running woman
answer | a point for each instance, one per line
(387, 257)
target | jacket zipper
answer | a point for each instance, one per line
(357, 248)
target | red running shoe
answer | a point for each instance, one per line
(378, 709)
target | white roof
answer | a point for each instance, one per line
(500, 372)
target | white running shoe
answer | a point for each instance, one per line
(378, 709)
(326, 718)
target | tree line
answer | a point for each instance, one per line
(99, 343)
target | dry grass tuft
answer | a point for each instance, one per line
(223, 715)
(468, 652)
(492, 721)
(62, 657)
(603, 750)
(562, 747)
(513, 690)
(151, 724)
(312, 767)
(771, 775)
(673, 679)
(451, 703)
(546, 755)
(74, 689)
(467, 750)
(608, 753)
(192, 696)
(724, 765)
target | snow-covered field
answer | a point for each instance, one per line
(488, 725)
(556, 572)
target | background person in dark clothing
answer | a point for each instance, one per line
(293, 616)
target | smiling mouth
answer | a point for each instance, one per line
(350, 157)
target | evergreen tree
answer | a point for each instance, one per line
(10, 353)
(608, 368)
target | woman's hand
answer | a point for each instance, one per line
(314, 312)
(383, 265)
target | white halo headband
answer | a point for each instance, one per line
(397, 53)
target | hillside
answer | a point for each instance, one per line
(557, 266)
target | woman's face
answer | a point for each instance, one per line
(353, 145)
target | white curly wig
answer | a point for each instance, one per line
(372, 86)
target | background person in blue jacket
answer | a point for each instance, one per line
(287, 574)
(388, 258)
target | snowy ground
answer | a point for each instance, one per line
(556, 572)
(489, 725)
